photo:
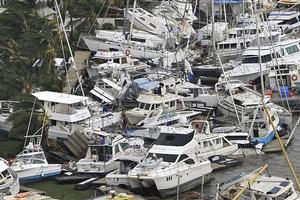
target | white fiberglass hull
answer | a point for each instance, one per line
(95, 44)
(35, 172)
(166, 180)
(97, 167)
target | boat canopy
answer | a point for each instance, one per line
(57, 97)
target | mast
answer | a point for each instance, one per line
(213, 27)
(132, 20)
(259, 53)
(125, 17)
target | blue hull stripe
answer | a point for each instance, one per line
(30, 179)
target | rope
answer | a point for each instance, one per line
(31, 114)
(97, 17)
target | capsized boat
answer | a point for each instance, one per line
(264, 187)
(9, 180)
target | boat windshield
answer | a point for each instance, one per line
(171, 139)
(35, 158)
(145, 106)
(255, 59)
(4, 175)
(165, 157)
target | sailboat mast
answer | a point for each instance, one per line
(259, 53)
(213, 27)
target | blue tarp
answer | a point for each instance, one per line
(228, 1)
(146, 84)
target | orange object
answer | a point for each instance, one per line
(269, 93)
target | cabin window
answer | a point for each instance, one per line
(124, 145)
(165, 157)
(189, 161)
(117, 60)
(226, 46)
(292, 21)
(5, 173)
(172, 103)
(152, 25)
(171, 139)
(148, 106)
(282, 52)
(218, 141)
(247, 44)
(273, 118)
(142, 18)
(205, 144)
(182, 157)
(292, 49)
(138, 40)
(123, 60)
(233, 46)
(99, 61)
(117, 150)
(253, 31)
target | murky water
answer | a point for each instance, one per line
(277, 164)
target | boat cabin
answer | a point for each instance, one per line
(167, 102)
(289, 20)
(64, 110)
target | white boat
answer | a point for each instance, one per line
(101, 154)
(113, 61)
(263, 187)
(179, 158)
(244, 103)
(31, 164)
(289, 20)
(249, 70)
(153, 106)
(9, 180)
(128, 159)
(140, 45)
(68, 113)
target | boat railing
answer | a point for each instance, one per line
(176, 167)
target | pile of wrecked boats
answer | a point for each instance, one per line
(157, 116)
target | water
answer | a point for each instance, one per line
(277, 164)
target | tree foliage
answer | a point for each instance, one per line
(28, 46)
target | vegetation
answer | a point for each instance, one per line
(28, 45)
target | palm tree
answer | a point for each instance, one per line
(28, 46)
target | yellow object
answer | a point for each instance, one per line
(250, 181)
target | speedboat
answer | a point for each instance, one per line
(31, 164)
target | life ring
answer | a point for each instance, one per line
(127, 52)
(294, 77)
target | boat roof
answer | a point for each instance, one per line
(109, 54)
(272, 185)
(175, 130)
(3, 166)
(158, 99)
(285, 15)
(253, 51)
(58, 97)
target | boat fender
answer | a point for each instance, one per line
(127, 52)
(294, 77)
(22, 195)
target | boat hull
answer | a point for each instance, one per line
(33, 174)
